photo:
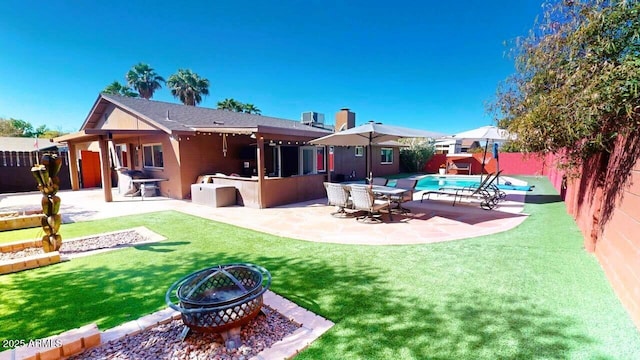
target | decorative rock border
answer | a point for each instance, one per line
(78, 340)
(34, 261)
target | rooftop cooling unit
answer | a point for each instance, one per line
(312, 118)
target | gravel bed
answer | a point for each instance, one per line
(78, 246)
(162, 341)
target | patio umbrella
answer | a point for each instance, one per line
(369, 134)
(485, 133)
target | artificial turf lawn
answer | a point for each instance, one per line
(528, 293)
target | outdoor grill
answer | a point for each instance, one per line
(220, 299)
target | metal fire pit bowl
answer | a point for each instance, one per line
(219, 298)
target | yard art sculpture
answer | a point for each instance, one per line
(46, 175)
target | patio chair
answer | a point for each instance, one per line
(407, 184)
(363, 199)
(338, 195)
(488, 198)
(489, 184)
(379, 181)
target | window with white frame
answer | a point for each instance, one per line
(312, 159)
(152, 156)
(386, 156)
(359, 151)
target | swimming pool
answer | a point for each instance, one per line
(435, 182)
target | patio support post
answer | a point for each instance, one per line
(260, 156)
(105, 172)
(74, 176)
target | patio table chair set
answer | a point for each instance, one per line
(486, 191)
(352, 198)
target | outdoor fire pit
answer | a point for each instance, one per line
(220, 299)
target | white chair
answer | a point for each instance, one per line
(363, 199)
(338, 195)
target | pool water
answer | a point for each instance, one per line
(435, 182)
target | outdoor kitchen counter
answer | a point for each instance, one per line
(276, 191)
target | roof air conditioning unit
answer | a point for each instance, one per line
(312, 118)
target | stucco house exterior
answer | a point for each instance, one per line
(268, 160)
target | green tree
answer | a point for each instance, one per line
(50, 134)
(251, 109)
(577, 80)
(116, 88)
(144, 79)
(188, 87)
(7, 129)
(416, 153)
(231, 105)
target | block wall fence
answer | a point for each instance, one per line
(604, 201)
(15, 171)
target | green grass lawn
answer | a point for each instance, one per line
(529, 293)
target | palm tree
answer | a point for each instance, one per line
(143, 78)
(188, 87)
(115, 88)
(231, 105)
(251, 109)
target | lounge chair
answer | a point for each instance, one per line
(490, 184)
(338, 195)
(488, 198)
(407, 184)
(363, 199)
(379, 181)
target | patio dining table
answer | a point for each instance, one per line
(386, 192)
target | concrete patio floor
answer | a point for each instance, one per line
(430, 221)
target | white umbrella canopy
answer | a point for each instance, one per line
(372, 133)
(484, 133)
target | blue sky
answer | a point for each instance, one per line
(425, 64)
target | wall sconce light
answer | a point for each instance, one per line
(253, 136)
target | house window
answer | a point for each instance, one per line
(387, 156)
(359, 151)
(313, 160)
(152, 156)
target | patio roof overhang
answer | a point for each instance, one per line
(270, 130)
(88, 135)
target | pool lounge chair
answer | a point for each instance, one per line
(363, 199)
(379, 181)
(488, 198)
(338, 195)
(489, 183)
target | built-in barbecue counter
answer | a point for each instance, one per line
(276, 191)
